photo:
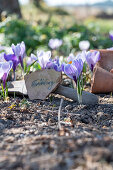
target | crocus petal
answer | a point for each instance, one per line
(48, 53)
(50, 65)
(22, 52)
(70, 58)
(2, 59)
(110, 48)
(43, 58)
(5, 68)
(42, 62)
(33, 57)
(78, 63)
(54, 43)
(21, 61)
(96, 57)
(61, 58)
(2, 48)
(111, 35)
(19, 51)
(84, 45)
(13, 58)
(40, 53)
(73, 70)
(16, 49)
(82, 56)
(1, 72)
(4, 78)
(57, 68)
(54, 64)
(29, 61)
(92, 58)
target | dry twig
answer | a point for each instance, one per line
(59, 113)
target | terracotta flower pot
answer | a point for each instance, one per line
(102, 81)
(103, 73)
(106, 61)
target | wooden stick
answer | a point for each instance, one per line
(59, 113)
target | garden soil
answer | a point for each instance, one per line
(30, 138)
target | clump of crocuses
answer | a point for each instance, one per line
(44, 60)
(74, 68)
(17, 56)
(11, 61)
(5, 67)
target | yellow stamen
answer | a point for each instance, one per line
(70, 62)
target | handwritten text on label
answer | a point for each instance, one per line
(40, 82)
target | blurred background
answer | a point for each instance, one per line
(37, 21)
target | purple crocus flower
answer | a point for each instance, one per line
(42, 58)
(45, 61)
(54, 64)
(111, 35)
(17, 55)
(19, 51)
(31, 59)
(7, 49)
(5, 68)
(57, 66)
(92, 58)
(70, 58)
(11, 57)
(14, 59)
(84, 45)
(81, 55)
(111, 48)
(54, 43)
(73, 70)
(2, 59)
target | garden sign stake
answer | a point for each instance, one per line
(41, 83)
(19, 88)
